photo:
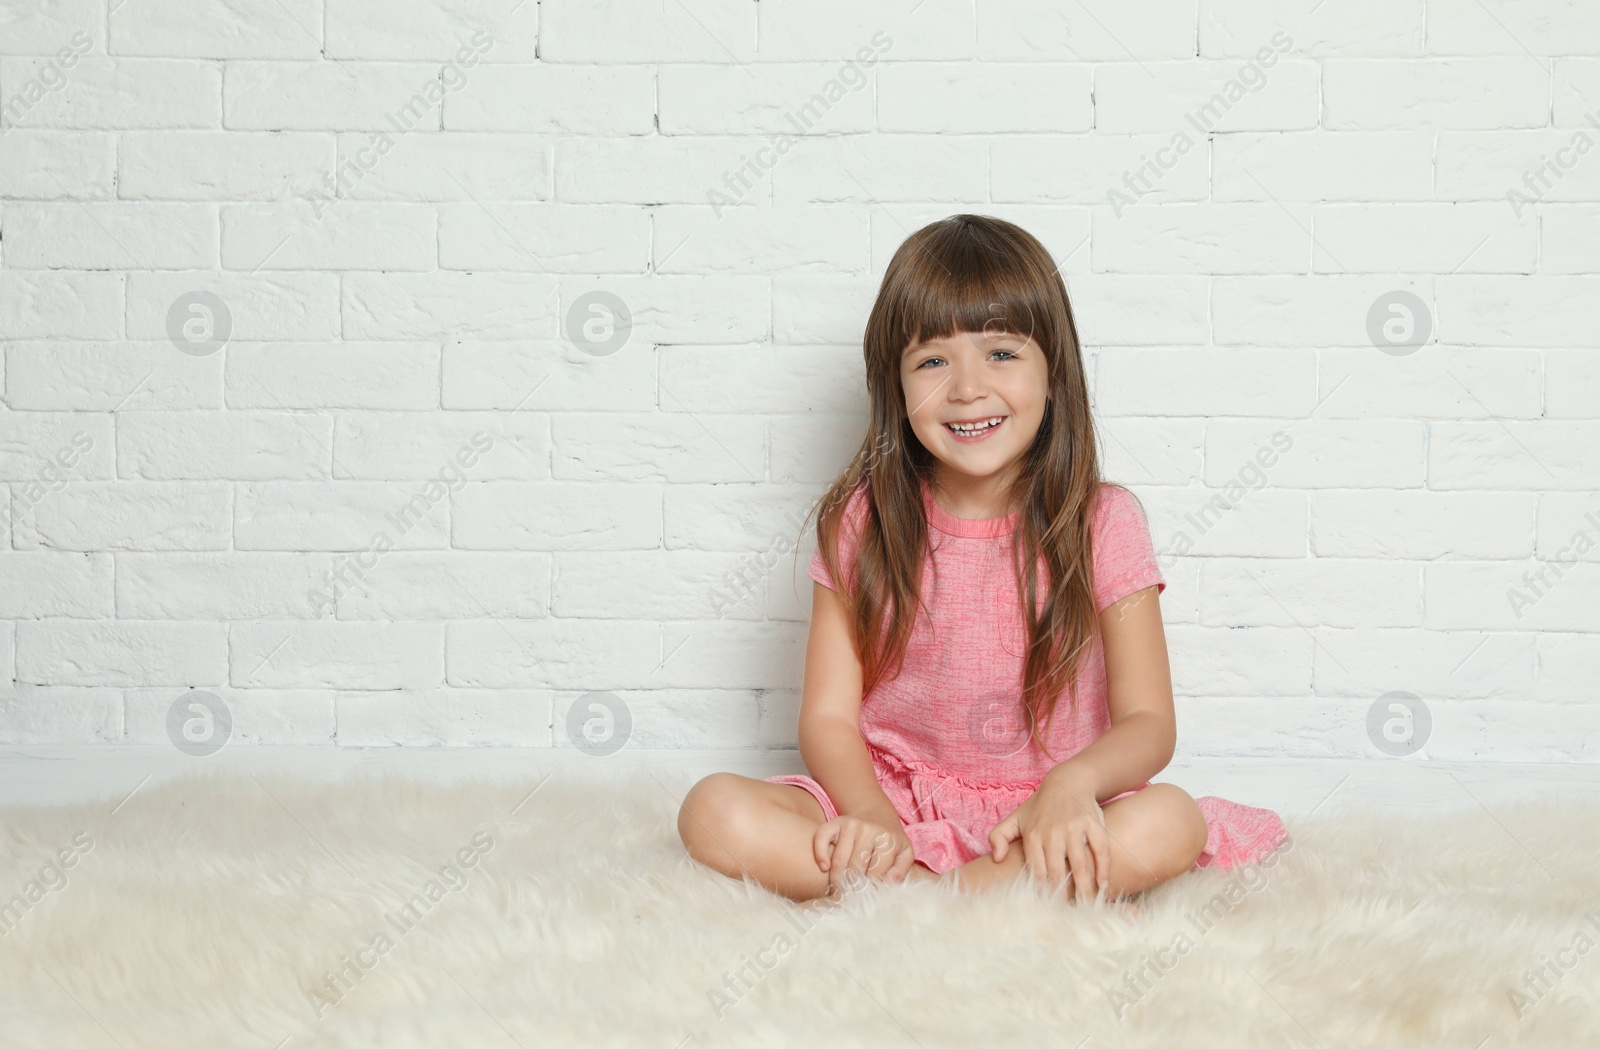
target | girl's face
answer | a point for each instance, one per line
(975, 378)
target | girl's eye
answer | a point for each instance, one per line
(931, 360)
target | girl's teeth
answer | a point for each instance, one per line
(978, 428)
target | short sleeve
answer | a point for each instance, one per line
(1124, 556)
(849, 534)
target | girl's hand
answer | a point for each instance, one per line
(848, 846)
(1063, 832)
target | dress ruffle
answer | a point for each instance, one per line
(1237, 833)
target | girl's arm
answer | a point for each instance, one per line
(1143, 732)
(830, 715)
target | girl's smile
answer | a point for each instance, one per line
(971, 431)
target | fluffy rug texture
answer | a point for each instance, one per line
(231, 910)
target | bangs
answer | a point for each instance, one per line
(954, 288)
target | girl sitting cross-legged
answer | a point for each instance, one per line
(986, 682)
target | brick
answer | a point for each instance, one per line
(1367, 662)
(1152, 451)
(56, 165)
(1019, 31)
(826, 310)
(555, 516)
(1569, 239)
(640, 31)
(433, 30)
(882, 167)
(1376, 95)
(1249, 661)
(1321, 310)
(198, 29)
(1215, 381)
(228, 585)
(44, 583)
(1203, 238)
(1422, 525)
(342, 515)
(437, 166)
(1424, 238)
(551, 238)
(61, 305)
(1114, 309)
(1373, 453)
(335, 655)
(1311, 592)
(1577, 92)
(711, 378)
(1240, 28)
(121, 93)
(1207, 96)
(1568, 527)
(45, 29)
(1572, 384)
(809, 449)
(223, 165)
(1463, 27)
(263, 306)
(1514, 454)
(1323, 166)
(44, 449)
(1118, 170)
(987, 98)
(1520, 169)
(30, 714)
(674, 447)
(787, 98)
(675, 719)
(1568, 664)
(1518, 311)
(1511, 595)
(658, 585)
(736, 653)
(553, 653)
(1438, 382)
(393, 97)
(560, 99)
(451, 585)
(130, 515)
(434, 305)
(1244, 518)
(444, 718)
(259, 717)
(106, 376)
(226, 445)
(454, 446)
(110, 236)
(541, 376)
(120, 652)
(333, 375)
(342, 236)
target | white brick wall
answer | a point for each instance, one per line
(402, 501)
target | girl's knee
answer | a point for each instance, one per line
(1185, 824)
(1169, 830)
(712, 814)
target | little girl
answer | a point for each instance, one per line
(949, 731)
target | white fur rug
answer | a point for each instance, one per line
(208, 912)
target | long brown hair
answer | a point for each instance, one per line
(972, 273)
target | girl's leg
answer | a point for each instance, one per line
(1155, 835)
(744, 826)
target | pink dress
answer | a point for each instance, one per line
(948, 737)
